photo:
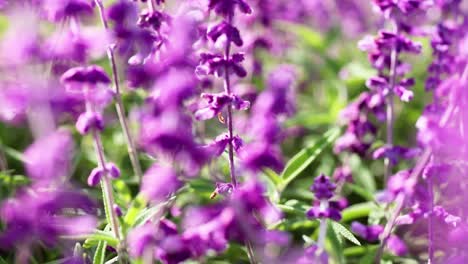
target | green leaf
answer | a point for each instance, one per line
(100, 254)
(122, 192)
(306, 156)
(273, 176)
(361, 175)
(148, 213)
(3, 261)
(13, 153)
(361, 191)
(113, 260)
(99, 236)
(356, 211)
(294, 207)
(138, 205)
(343, 231)
(335, 243)
(310, 37)
(271, 189)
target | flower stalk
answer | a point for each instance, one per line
(131, 148)
(227, 88)
(390, 106)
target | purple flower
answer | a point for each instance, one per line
(220, 144)
(170, 133)
(226, 29)
(88, 121)
(370, 233)
(160, 239)
(211, 234)
(153, 19)
(63, 9)
(159, 182)
(223, 189)
(323, 188)
(97, 173)
(249, 199)
(343, 174)
(278, 98)
(13, 104)
(312, 255)
(173, 88)
(399, 182)
(227, 7)
(395, 153)
(258, 155)
(216, 103)
(215, 64)
(91, 75)
(40, 215)
(397, 246)
(49, 158)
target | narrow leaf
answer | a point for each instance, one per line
(356, 211)
(306, 156)
(3, 261)
(100, 254)
(138, 205)
(343, 231)
(335, 242)
(273, 176)
(99, 236)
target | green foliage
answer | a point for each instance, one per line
(100, 254)
(344, 232)
(305, 157)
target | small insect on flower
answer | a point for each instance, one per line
(221, 118)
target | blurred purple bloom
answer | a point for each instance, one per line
(64, 9)
(159, 182)
(312, 255)
(343, 174)
(40, 215)
(256, 156)
(370, 233)
(395, 153)
(170, 133)
(396, 246)
(49, 158)
(279, 97)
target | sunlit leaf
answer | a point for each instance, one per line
(306, 156)
(344, 232)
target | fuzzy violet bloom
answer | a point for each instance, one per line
(41, 216)
(323, 190)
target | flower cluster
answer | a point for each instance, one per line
(323, 190)
(239, 218)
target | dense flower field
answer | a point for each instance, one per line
(233, 131)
